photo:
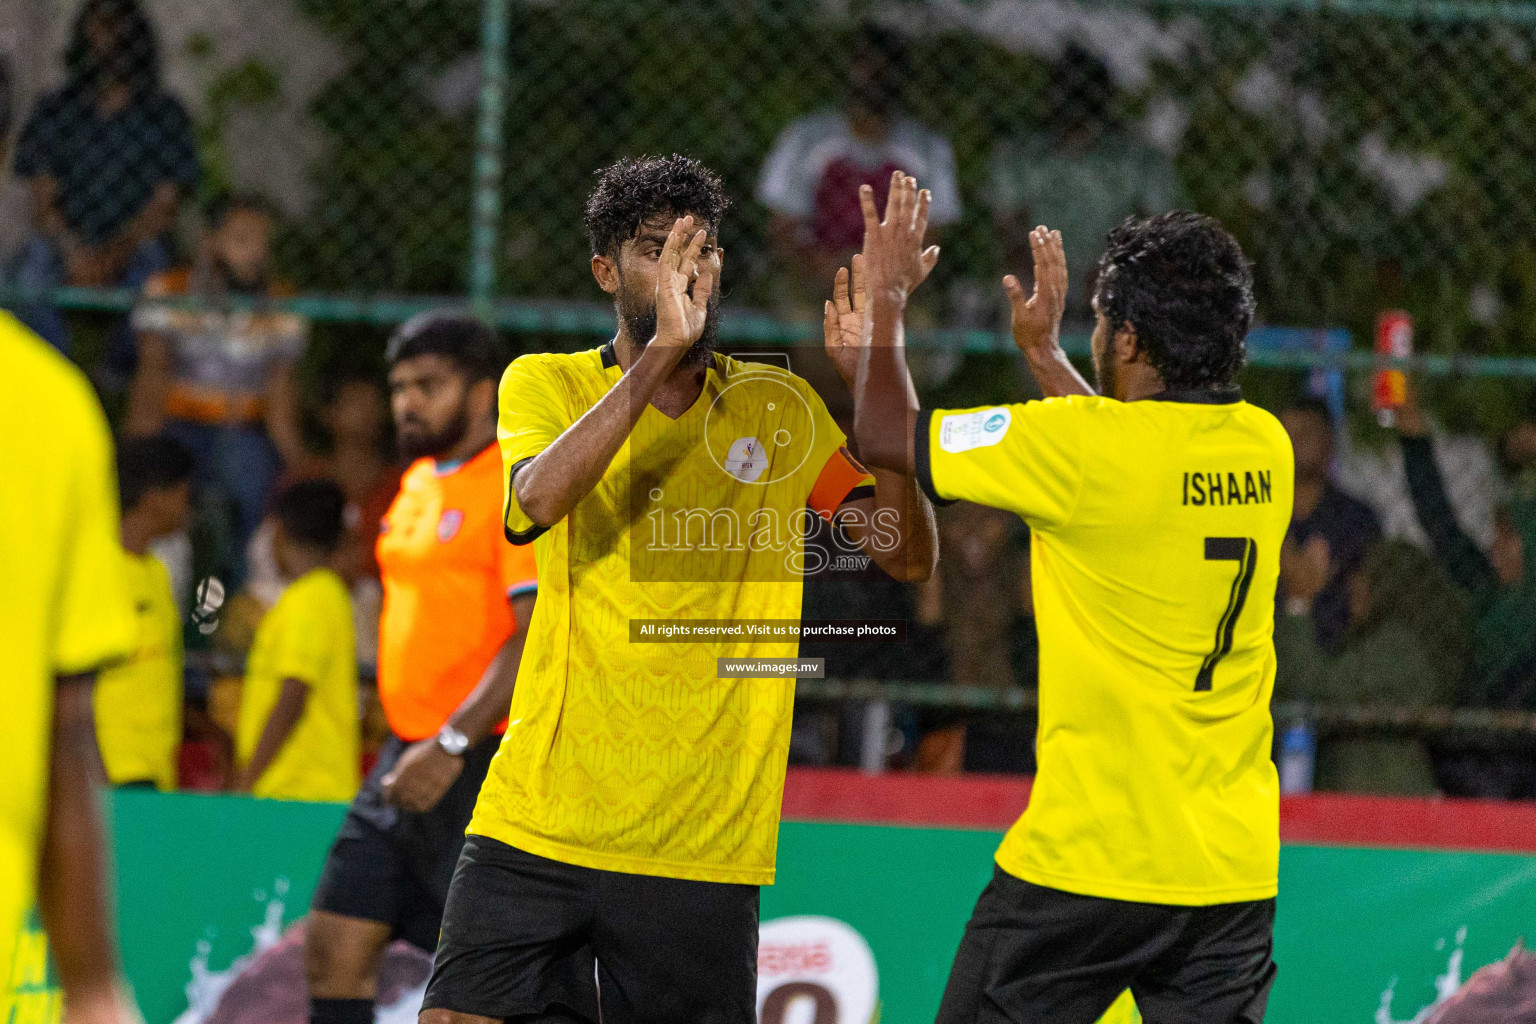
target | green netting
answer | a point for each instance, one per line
(1368, 154)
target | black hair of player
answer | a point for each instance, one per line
(135, 58)
(1311, 405)
(1182, 283)
(147, 464)
(458, 337)
(313, 513)
(223, 205)
(631, 191)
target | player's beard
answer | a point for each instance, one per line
(1104, 373)
(416, 441)
(639, 319)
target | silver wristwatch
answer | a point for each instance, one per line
(452, 741)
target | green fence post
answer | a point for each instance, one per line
(486, 218)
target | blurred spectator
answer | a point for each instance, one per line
(980, 598)
(822, 736)
(1081, 176)
(222, 379)
(108, 158)
(1403, 649)
(810, 181)
(1375, 474)
(1501, 586)
(138, 702)
(357, 458)
(298, 734)
(981, 564)
(1518, 451)
(1349, 526)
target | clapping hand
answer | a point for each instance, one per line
(894, 258)
(685, 280)
(1036, 318)
(843, 325)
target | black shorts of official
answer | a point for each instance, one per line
(531, 939)
(392, 866)
(1032, 954)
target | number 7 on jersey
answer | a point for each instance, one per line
(1245, 552)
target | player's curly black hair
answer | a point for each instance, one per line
(1181, 281)
(633, 190)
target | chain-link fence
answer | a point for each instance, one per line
(389, 154)
(1368, 154)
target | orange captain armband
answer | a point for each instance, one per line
(840, 477)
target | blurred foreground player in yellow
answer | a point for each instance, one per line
(67, 613)
(1148, 856)
(298, 733)
(138, 701)
(613, 862)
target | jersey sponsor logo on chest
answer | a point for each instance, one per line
(961, 432)
(1247, 487)
(746, 460)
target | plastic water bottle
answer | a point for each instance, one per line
(1298, 753)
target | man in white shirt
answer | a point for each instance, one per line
(810, 181)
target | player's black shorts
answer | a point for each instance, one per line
(531, 939)
(1032, 954)
(393, 866)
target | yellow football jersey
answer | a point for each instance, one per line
(635, 756)
(138, 702)
(1156, 548)
(306, 636)
(64, 603)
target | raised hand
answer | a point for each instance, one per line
(843, 326)
(685, 280)
(894, 258)
(1037, 317)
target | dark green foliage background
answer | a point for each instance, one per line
(591, 80)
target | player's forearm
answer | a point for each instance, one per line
(905, 540)
(884, 402)
(491, 699)
(1055, 374)
(280, 725)
(72, 895)
(549, 487)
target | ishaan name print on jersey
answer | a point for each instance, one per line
(1248, 487)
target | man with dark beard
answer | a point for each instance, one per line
(613, 863)
(457, 602)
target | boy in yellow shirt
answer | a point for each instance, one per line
(138, 701)
(297, 735)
